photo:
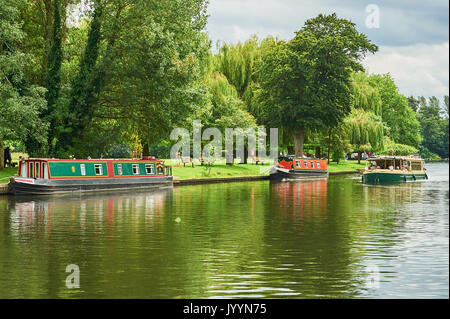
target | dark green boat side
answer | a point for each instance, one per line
(389, 177)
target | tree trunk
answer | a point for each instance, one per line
(291, 150)
(359, 157)
(318, 155)
(2, 159)
(329, 145)
(244, 160)
(145, 150)
(299, 137)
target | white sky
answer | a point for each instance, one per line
(413, 35)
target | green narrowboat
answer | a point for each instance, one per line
(394, 169)
(39, 176)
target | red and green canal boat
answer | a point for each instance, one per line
(39, 176)
(291, 168)
(394, 169)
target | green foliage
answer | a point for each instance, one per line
(152, 64)
(305, 83)
(53, 78)
(396, 112)
(434, 128)
(85, 87)
(227, 109)
(366, 131)
(118, 151)
(20, 103)
(366, 95)
(236, 63)
(398, 149)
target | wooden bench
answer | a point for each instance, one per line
(186, 159)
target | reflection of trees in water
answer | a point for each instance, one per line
(308, 234)
(90, 231)
(38, 214)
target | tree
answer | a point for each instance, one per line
(84, 91)
(53, 77)
(434, 129)
(305, 83)
(237, 63)
(365, 131)
(396, 113)
(153, 65)
(20, 103)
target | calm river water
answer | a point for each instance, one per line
(315, 239)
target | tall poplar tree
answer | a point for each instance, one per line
(85, 89)
(53, 78)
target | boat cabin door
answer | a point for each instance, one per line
(45, 170)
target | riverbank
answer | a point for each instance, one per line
(221, 170)
(217, 173)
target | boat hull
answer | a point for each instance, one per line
(283, 174)
(377, 178)
(22, 186)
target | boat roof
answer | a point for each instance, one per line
(405, 158)
(92, 160)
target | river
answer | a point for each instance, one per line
(314, 239)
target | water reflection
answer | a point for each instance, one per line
(306, 239)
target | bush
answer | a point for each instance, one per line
(399, 149)
(426, 154)
(118, 151)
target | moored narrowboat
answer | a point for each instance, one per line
(392, 169)
(51, 176)
(291, 168)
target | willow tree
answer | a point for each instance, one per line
(365, 131)
(305, 83)
(236, 62)
(364, 124)
(404, 128)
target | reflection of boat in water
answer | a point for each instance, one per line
(301, 197)
(391, 169)
(46, 212)
(291, 168)
(52, 176)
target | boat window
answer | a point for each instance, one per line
(31, 169)
(119, 169)
(98, 169)
(160, 170)
(136, 169)
(83, 169)
(416, 166)
(149, 169)
(298, 164)
(306, 164)
(318, 164)
(38, 169)
(44, 170)
(312, 164)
